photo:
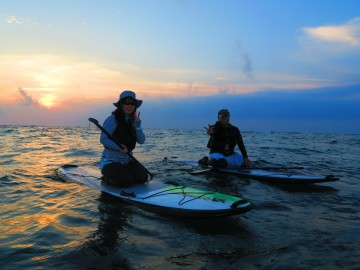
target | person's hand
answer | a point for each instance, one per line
(209, 129)
(247, 163)
(137, 117)
(124, 149)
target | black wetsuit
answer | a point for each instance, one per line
(224, 139)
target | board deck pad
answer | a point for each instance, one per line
(266, 175)
(162, 198)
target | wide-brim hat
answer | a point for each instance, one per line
(128, 94)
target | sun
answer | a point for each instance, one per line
(48, 100)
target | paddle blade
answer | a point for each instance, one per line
(202, 171)
(92, 120)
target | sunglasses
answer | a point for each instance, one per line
(129, 103)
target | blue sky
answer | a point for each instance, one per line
(276, 65)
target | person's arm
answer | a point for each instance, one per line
(242, 148)
(110, 126)
(210, 129)
(215, 129)
(140, 136)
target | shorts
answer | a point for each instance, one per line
(235, 160)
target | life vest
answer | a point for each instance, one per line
(223, 140)
(125, 134)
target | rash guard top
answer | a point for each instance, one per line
(127, 136)
(224, 139)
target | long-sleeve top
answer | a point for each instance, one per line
(224, 139)
(112, 150)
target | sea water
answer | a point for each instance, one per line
(50, 224)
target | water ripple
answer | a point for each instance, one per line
(47, 223)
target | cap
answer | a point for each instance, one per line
(223, 112)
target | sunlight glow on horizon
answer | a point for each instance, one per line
(48, 100)
(54, 81)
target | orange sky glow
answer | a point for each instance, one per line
(57, 82)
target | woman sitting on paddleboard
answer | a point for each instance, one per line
(124, 125)
(223, 139)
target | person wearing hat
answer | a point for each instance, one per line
(124, 125)
(223, 139)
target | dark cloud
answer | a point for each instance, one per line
(311, 109)
(335, 109)
(247, 65)
(24, 99)
(240, 60)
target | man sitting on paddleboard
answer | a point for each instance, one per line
(124, 125)
(223, 139)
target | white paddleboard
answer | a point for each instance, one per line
(162, 198)
(267, 175)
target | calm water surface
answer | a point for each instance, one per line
(49, 224)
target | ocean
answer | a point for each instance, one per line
(50, 224)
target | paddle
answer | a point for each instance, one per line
(96, 123)
(274, 168)
(208, 169)
(203, 170)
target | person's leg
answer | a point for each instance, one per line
(139, 173)
(118, 174)
(217, 160)
(218, 163)
(204, 161)
(235, 160)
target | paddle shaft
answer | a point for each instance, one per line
(96, 123)
(205, 170)
(273, 168)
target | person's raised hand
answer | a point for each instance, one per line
(137, 117)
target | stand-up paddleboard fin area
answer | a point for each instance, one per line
(270, 174)
(162, 198)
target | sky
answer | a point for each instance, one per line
(289, 66)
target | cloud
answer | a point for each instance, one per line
(347, 34)
(10, 19)
(247, 65)
(331, 51)
(240, 60)
(330, 109)
(24, 99)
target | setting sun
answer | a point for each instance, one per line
(47, 100)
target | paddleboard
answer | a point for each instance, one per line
(161, 198)
(271, 175)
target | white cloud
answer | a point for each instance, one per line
(11, 19)
(347, 34)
